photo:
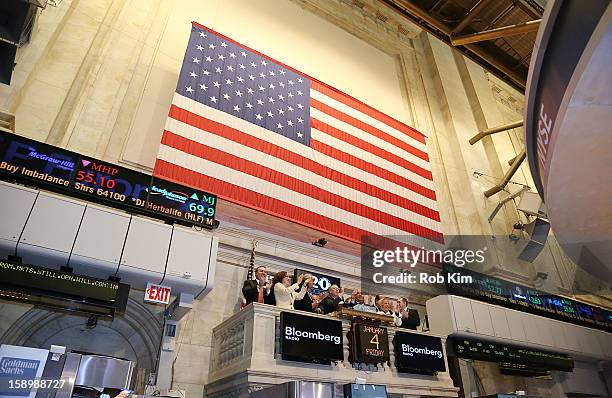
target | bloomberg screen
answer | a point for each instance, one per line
(310, 339)
(415, 353)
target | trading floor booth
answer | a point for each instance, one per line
(504, 337)
(265, 349)
(56, 373)
(92, 260)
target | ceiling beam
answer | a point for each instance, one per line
(418, 12)
(469, 17)
(414, 12)
(492, 34)
(527, 9)
(500, 16)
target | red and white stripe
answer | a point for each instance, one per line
(364, 173)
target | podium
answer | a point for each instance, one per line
(369, 317)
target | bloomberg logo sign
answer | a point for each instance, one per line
(311, 339)
(409, 350)
(292, 333)
(416, 353)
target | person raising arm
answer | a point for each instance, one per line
(283, 289)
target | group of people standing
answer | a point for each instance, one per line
(301, 296)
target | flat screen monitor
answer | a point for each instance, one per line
(353, 390)
(310, 339)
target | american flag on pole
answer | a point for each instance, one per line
(258, 133)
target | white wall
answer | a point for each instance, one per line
(279, 29)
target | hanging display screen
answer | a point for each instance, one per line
(44, 165)
(417, 353)
(310, 339)
(522, 298)
(48, 167)
(108, 182)
(181, 202)
(53, 288)
(502, 353)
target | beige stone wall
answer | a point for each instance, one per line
(99, 75)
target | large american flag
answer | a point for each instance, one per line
(261, 134)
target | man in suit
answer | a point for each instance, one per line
(406, 318)
(333, 301)
(309, 302)
(258, 289)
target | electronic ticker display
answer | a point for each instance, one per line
(181, 202)
(22, 159)
(108, 182)
(501, 353)
(55, 287)
(523, 298)
(69, 173)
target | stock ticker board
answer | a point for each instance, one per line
(101, 180)
(526, 299)
(502, 353)
(45, 166)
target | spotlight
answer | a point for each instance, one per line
(320, 243)
(92, 321)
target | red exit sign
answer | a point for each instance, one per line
(157, 294)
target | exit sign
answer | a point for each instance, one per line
(157, 294)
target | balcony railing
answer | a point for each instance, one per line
(246, 357)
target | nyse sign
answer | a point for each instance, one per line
(543, 137)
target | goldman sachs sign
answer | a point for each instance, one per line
(310, 339)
